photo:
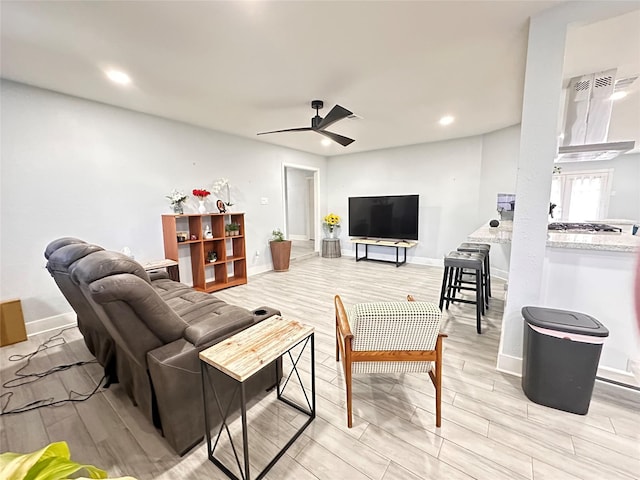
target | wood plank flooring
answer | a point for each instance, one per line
(490, 430)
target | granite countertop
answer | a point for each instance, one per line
(624, 242)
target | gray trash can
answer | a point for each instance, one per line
(560, 357)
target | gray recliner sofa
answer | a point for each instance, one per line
(61, 254)
(149, 332)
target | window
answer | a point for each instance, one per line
(581, 195)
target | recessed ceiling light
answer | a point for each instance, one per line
(446, 120)
(618, 95)
(326, 142)
(116, 76)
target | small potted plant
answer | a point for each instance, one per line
(280, 251)
(232, 229)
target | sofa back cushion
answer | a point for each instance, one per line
(60, 260)
(60, 242)
(105, 263)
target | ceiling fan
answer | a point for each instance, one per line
(318, 124)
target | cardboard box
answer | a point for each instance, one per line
(12, 329)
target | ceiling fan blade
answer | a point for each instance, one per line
(301, 129)
(337, 113)
(344, 141)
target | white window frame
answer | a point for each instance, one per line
(566, 180)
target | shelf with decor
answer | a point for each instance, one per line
(216, 246)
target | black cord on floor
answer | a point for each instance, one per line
(26, 378)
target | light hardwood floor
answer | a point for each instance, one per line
(490, 430)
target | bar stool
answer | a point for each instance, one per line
(480, 247)
(454, 263)
(461, 276)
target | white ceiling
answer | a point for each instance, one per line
(244, 67)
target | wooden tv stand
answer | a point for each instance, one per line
(404, 244)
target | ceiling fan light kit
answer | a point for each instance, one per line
(319, 124)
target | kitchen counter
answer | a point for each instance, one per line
(611, 242)
(592, 273)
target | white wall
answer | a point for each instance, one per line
(72, 167)
(444, 174)
(500, 153)
(457, 181)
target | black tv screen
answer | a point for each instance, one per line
(391, 216)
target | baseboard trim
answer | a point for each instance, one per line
(251, 271)
(619, 376)
(509, 364)
(56, 322)
(501, 274)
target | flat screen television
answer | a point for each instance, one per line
(390, 216)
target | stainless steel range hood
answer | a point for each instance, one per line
(594, 151)
(588, 113)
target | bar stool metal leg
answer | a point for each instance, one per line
(479, 301)
(445, 276)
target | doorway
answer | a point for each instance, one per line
(301, 215)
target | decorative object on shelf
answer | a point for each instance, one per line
(182, 236)
(212, 256)
(202, 195)
(331, 224)
(494, 223)
(280, 251)
(232, 229)
(220, 185)
(207, 232)
(177, 199)
(221, 206)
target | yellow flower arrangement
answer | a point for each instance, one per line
(331, 221)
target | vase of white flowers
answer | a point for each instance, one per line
(177, 200)
(221, 186)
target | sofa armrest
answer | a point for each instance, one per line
(215, 328)
(157, 275)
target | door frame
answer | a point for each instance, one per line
(316, 200)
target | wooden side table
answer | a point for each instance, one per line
(240, 357)
(170, 265)
(331, 247)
